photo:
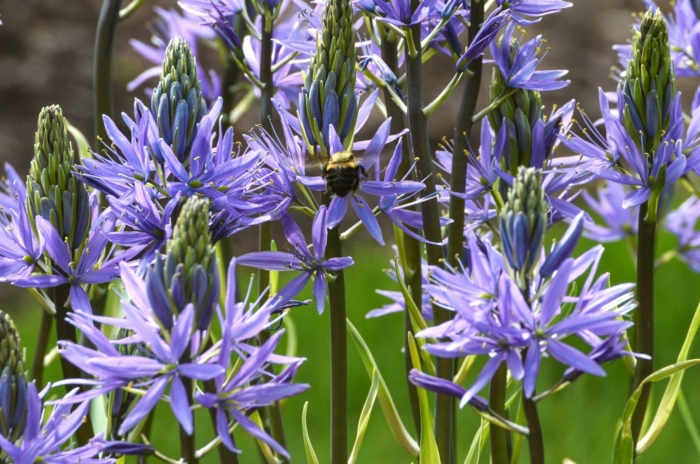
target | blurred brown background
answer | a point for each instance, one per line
(46, 49)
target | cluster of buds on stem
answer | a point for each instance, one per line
(649, 86)
(177, 101)
(328, 96)
(523, 223)
(54, 193)
(13, 384)
(189, 272)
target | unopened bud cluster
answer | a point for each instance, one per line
(523, 222)
(53, 192)
(13, 384)
(189, 273)
(328, 96)
(649, 86)
(177, 101)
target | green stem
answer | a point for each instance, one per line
(130, 9)
(494, 106)
(102, 70)
(339, 354)
(268, 90)
(273, 412)
(187, 442)
(37, 372)
(411, 245)
(420, 145)
(272, 415)
(534, 439)
(644, 318)
(455, 232)
(444, 95)
(497, 401)
(66, 331)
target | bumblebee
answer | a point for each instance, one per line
(342, 173)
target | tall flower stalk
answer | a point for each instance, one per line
(648, 91)
(411, 246)
(268, 11)
(420, 149)
(328, 106)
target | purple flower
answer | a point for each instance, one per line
(287, 37)
(682, 223)
(168, 360)
(128, 160)
(545, 332)
(398, 12)
(483, 167)
(438, 385)
(521, 10)
(519, 326)
(19, 247)
(620, 223)
(498, 18)
(385, 188)
(170, 24)
(243, 392)
(391, 205)
(399, 303)
(673, 159)
(238, 394)
(87, 268)
(488, 332)
(213, 172)
(148, 219)
(473, 286)
(301, 259)
(47, 443)
(517, 64)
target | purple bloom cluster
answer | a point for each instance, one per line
(617, 158)
(494, 316)
(167, 358)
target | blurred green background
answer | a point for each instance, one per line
(579, 422)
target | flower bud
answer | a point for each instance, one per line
(188, 273)
(177, 103)
(53, 192)
(649, 86)
(523, 223)
(13, 384)
(519, 112)
(328, 96)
